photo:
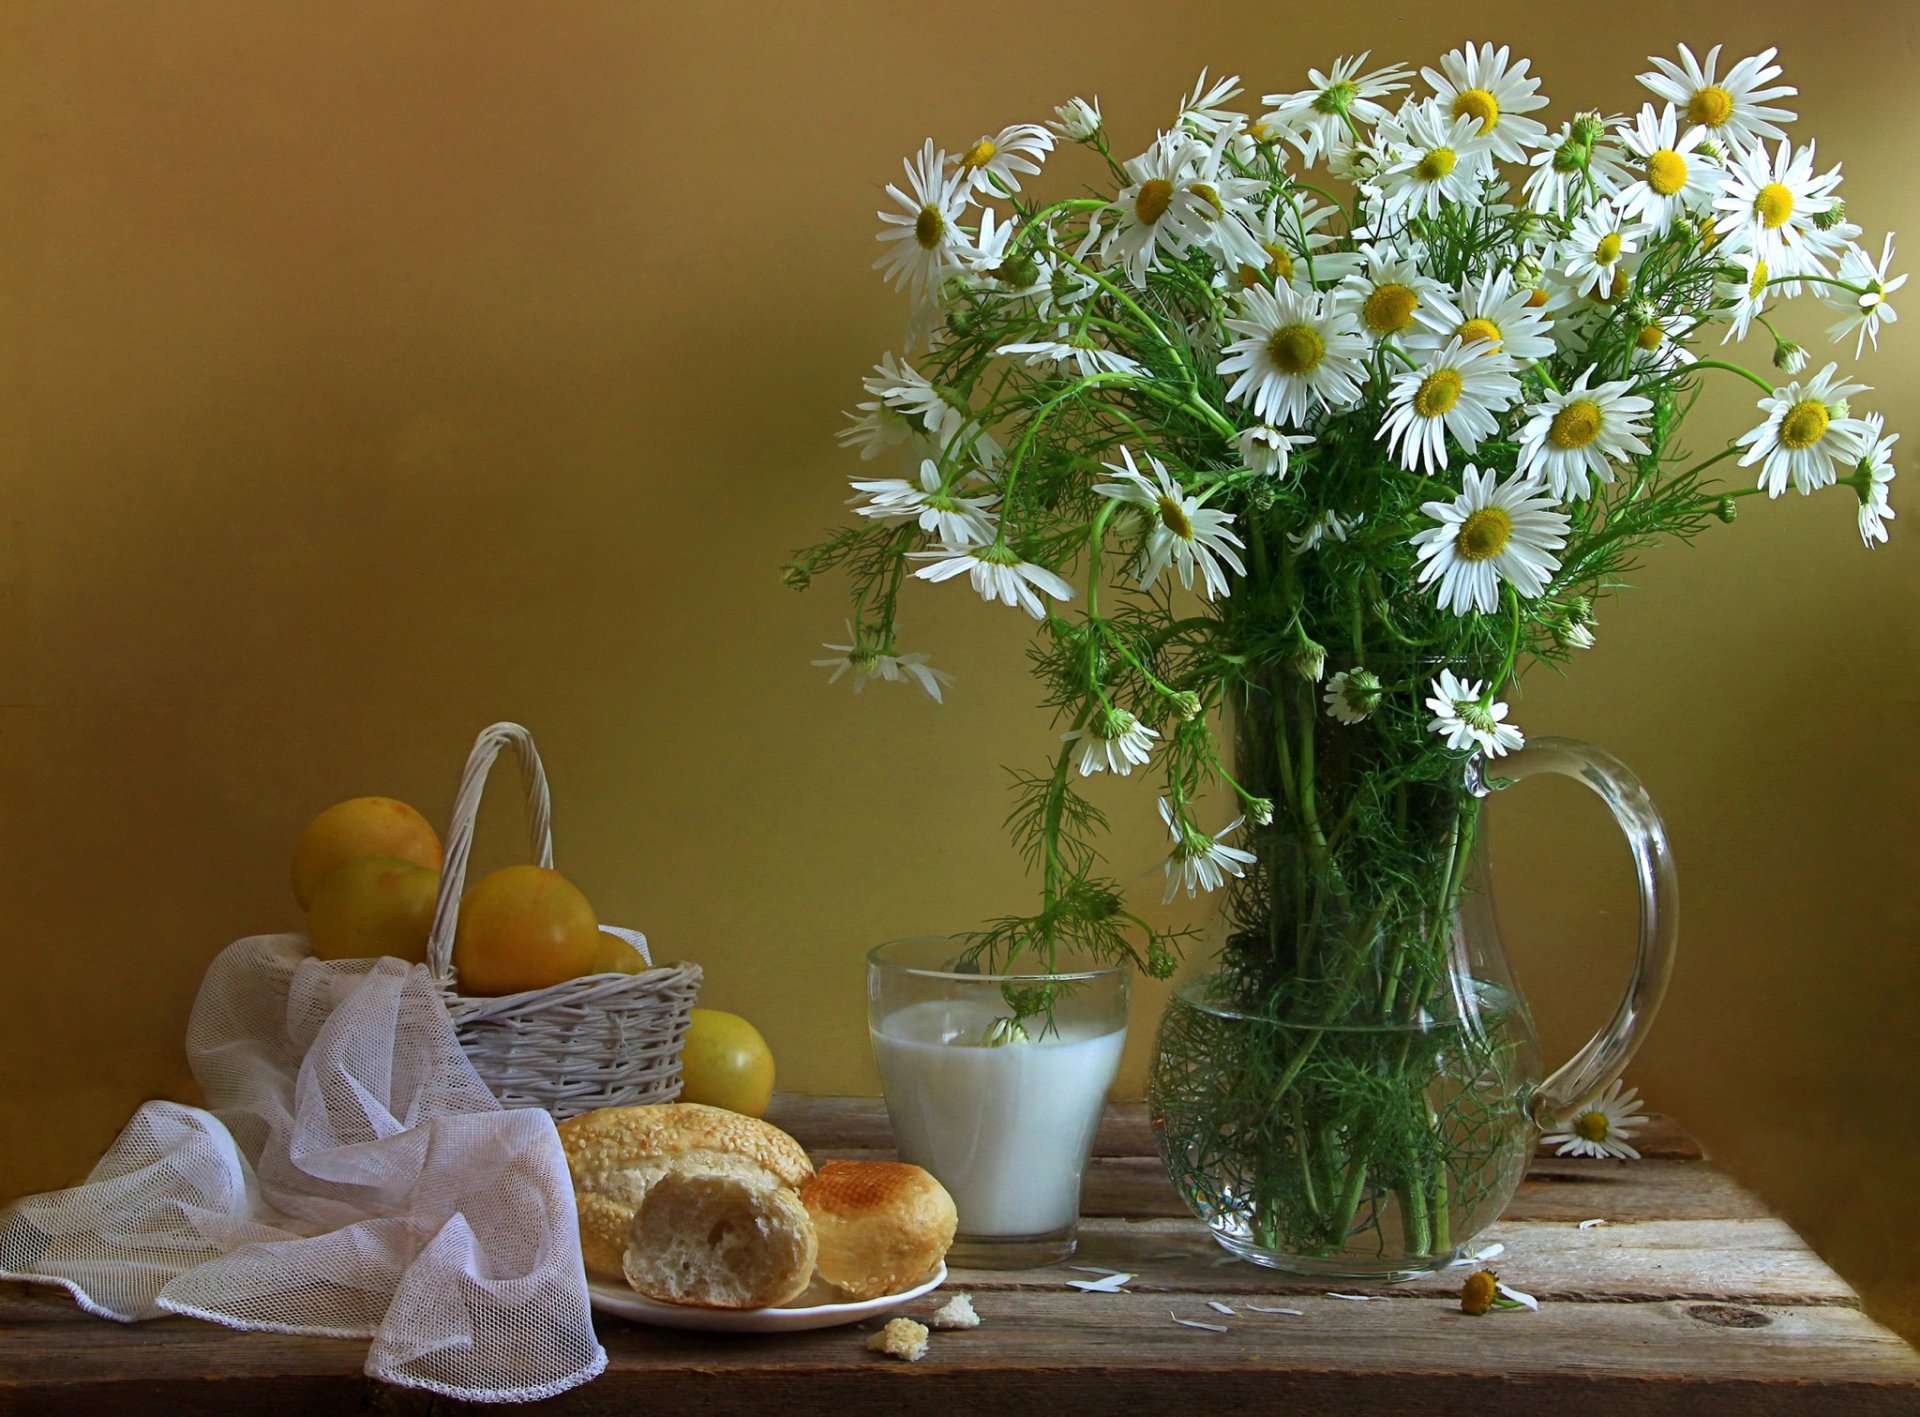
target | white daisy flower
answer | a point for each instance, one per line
(1603, 1128)
(867, 662)
(995, 268)
(1393, 297)
(1115, 741)
(1181, 530)
(1353, 694)
(1491, 532)
(1290, 238)
(1204, 112)
(1076, 120)
(1876, 469)
(1267, 450)
(1201, 862)
(1299, 352)
(1575, 435)
(926, 238)
(1593, 250)
(1807, 429)
(1562, 167)
(1495, 310)
(1741, 300)
(1671, 175)
(1314, 119)
(1659, 340)
(959, 521)
(1733, 107)
(999, 162)
(1464, 717)
(1156, 211)
(1438, 158)
(1864, 313)
(1767, 206)
(1328, 526)
(904, 406)
(997, 574)
(1071, 347)
(1459, 390)
(1478, 81)
(1222, 221)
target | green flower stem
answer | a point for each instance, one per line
(1721, 456)
(1741, 370)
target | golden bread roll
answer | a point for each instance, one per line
(617, 1153)
(882, 1225)
(728, 1238)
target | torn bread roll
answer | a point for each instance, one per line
(728, 1237)
(882, 1225)
(616, 1154)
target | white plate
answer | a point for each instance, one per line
(816, 1308)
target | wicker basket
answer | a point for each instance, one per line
(604, 1040)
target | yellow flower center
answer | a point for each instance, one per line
(1437, 393)
(1594, 1126)
(1575, 426)
(1619, 286)
(980, 154)
(1537, 297)
(1174, 518)
(1773, 205)
(1156, 194)
(1260, 132)
(1804, 425)
(929, 227)
(1211, 197)
(1608, 251)
(1480, 327)
(1484, 534)
(1759, 281)
(1709, 235)
(1279, 260)
(1650, 338)
(1666, 172)
(1481, 105)
(1436, 164)
(1390, 309)
(1296, 349)
(1711, 106)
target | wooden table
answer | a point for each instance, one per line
(1691, 1299)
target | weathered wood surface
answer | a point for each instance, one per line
(1690, 1300)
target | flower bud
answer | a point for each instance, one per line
(1186, 705)
(1789, 356)
(1261, 810)
(1309, 660)
(1726, 509)
(1571, 634)
(1076, 120)
(1588, 129)
(1833, 216)
(1160, 961)
(796, 576)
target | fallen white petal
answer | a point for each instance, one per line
(1195, 1323)
(1590, 1224)
(1093, 1269)
(1477, 1256)
(1358, 1298)
(1525, 1301)
(1110, 1285)
(1219, 1308)
(1264, 1309)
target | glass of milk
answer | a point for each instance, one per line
(1002, 1113)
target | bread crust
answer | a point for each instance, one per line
(881, 1225)
(617, 1153)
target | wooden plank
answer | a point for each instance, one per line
(1733, 1261)
(1072, 1353)
(836, 1124)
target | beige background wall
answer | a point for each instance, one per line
(370, 371)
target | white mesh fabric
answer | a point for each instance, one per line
(352, 1178)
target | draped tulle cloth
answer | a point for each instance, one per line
(350, 1177)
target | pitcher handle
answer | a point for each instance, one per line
(1608, 1052)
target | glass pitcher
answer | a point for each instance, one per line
(1356, 1093)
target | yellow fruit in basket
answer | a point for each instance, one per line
(524, 927)
(373, 906)
(616, 956)
(361, 826)
(726, 1063)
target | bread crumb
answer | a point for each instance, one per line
(957, 1312)
(901, 1338)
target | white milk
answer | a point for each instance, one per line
(1006, 1130)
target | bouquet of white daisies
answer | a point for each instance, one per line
(1334, 412)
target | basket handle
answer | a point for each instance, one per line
(466, 806)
